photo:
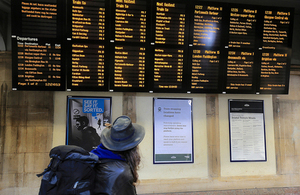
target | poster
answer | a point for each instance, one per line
(173, 131)
(86, 118)
(247, 130)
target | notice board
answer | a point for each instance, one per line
(247, 130)
(173, 130)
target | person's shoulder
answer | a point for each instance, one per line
(117, 166)
(89, 129)
(114, 177)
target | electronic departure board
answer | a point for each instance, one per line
(86, 43)
(130, 21)
(169, 46)
(242, 27)
(276, 55)
(168, 68)
(129, 51)
(205, 54)
(205, 70)
(151, 46)
(87, 65)
(87, 19)
(37, 46)
(170, 23)
(207, 25)
(276, 29)
(39, 64)
(273, 75)
(240, 70)
(129, 67)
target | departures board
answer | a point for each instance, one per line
(151, 46)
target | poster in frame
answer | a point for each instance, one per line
(247, 130)
(173, 130)
(86, 118)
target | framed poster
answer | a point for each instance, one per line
(86, 118)
(173, 130)
(247, 130)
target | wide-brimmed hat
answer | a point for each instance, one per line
(122, 134)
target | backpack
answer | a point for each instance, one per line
(70, 171)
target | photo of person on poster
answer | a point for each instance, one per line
(86, 120)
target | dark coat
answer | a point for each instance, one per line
(114, 177)
(90, 138)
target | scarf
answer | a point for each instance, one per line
(104, 153)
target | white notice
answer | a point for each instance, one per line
(173, 130)
(247, 136)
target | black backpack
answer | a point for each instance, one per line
(70, 171)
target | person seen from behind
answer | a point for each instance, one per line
(116, 174)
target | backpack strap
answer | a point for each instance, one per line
(54, 163)
(43, 173)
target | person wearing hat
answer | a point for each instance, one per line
(116, 174)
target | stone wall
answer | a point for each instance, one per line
(25, 134)
(287, 130)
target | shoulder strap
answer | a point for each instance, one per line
(54, 163)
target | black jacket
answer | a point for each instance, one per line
(114, 177)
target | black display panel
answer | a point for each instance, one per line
(207, 25)
(88, 66)
(169, 46)
(276, 51)
(205, 70)
(206, 42)
(277, 28)
(87, 19)
(240, 71)
(168, 68)
(38, 19)
(242, 27)
(151, 46)
(170, 22)
(274, 72)
(129, 45)
(87, 41)
(130, 21)
(39, 65)
(129, 67)
(37, 48)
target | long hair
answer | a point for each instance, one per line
(133, 159)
